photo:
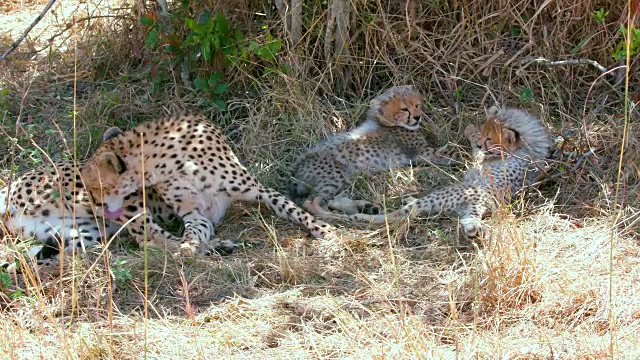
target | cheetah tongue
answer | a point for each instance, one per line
(113, 215)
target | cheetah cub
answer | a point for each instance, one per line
(192, 169)
(510, 145)
(389, 138)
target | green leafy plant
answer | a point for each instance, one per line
(211, 35)
(620, 51)
(5, 280)
(121, 274)
(600, 15)
(209, 44)
(212, 87)
(526, 95)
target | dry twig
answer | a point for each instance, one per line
(547, 62)
(544, 177)
(28, 30)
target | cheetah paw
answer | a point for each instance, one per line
(221, 247)
(472, 228)
(187, 250)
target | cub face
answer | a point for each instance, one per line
(399, 106)
(496, 138)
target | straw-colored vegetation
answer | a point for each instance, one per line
(545, 281)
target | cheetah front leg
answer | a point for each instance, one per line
(471, 219)
(188, 204)
(134, 220)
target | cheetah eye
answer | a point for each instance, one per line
(405, 109)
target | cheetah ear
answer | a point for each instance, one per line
(375, 105)
(510, 136)
(493, 111)
(110, 133)
(112, 162)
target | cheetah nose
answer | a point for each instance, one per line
(417, 118)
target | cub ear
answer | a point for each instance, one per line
(110, 133)
(111, 162)
(375, 104)
(493, 111)
(509, 136)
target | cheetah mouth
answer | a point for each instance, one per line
(413, 126)
(112, 215)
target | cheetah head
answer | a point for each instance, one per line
(398, 106)
(104, 181)
(514, 131)
(495, 138)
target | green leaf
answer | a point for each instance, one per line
(220, 103)
(152, 38)
(145, 20)
(515, 30)
(220, 89)
(215, 77)
(5, 280)
(222, 25)
(201, 84)
(55, 194)
(204, 18)
(172, 49)
(16, 294)
(190, 23)
(206, 49)
(253, 46)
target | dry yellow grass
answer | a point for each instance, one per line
(537, 286)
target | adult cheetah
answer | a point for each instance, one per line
(509, 147)
(188, 163)
(50, 204)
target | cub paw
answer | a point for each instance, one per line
(472, 228)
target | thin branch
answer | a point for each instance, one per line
(543, 178)
(548, 62)
(343, 17)
(296, 21)
(26, 32)
(283, 11)
(328, 34)
(75, 22)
